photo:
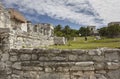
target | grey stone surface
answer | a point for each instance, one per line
(59, 40)
(13, 58)
(5, 57)
(17, 65)
(112, 56)
(115, 74)
(25, 57)
(59, 64)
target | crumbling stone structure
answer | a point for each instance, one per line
(4, 17)
(60, 40)
(23, 34)
(57, 64)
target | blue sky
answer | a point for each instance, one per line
(74, 13)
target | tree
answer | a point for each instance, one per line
(113, 30)
(103, 31)
(84, 31)
(74, 33)
(110, 31)
(67, 32)
(58, 30)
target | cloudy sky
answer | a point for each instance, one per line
(75, 13)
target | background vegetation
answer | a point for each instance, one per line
(110, 37)
(69, 33)
(91, 43)
(108, 31)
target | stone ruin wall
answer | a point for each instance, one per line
(60, 41)
(19, 39)
(34, 40)
(58, 64)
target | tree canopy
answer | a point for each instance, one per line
(68, 32)
(84, 31)
(65, 31)
(110, 31)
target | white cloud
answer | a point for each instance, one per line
(85, 12)
(109, 10)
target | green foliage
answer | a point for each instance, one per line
(80, 43)
(84, 31)
(110, 31)
(66, 32)
(103, 31)
(113, 30)
(58, 30)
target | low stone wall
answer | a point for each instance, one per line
(5, 63)
(57, 64)
(59, 40)
(64, 64)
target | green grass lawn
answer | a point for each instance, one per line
(80, 43)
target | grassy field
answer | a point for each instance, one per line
(80, 43)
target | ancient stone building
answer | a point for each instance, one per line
(23, 34)
(113, 23)
(93, 30)
(45, 29)
(29, 27)
(4, 17)
(18, 21)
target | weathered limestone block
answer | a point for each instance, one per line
(66, 51)
(1, 54)
(26, 50)
(100, 76)
(48, 69)
(13, 58)
(50, 76)
(95, 52)
(25, 57)
(111, 56)
(73, 57)
(78, 68)
(5, 57)
(113, 65)
(44, 58)
(62, 69)
(78, 52)
(32, 68)
(79, 73)
(15, 76)
(84, 64)
(58, 58)
(100, 66)
(114, 74)
(34, 57)
(100, 72)
(59, 40)
(17, 65)
(8, 67)
(3, 75)
(2, 66)
(98, 58)
(89, 73)
(84, 58)
(17, 72)
(13, 52)
(55, 51)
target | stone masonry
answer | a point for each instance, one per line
(58, 64)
